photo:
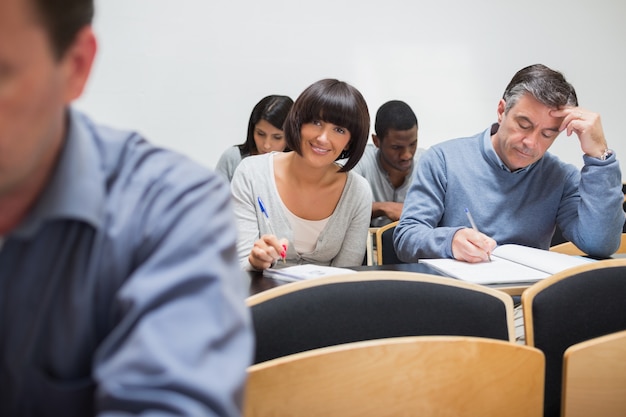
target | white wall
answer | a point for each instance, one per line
(186, 73)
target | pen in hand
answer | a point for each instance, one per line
(473, 223)
(266, 217)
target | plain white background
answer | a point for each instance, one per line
(187, 73)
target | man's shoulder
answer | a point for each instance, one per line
(371, 153)
(456, 142)
(553, 166)
(368, 164)
(460, 147)
(127, 157)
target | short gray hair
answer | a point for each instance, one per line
(546, 85)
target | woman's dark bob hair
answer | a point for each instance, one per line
(336, 102)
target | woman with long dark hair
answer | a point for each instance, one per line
(265, 133)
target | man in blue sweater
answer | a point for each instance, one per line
(516, 190)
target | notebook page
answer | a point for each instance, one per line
(544, 260)
(307, 271)
(498, 271)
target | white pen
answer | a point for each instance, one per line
(473, 223)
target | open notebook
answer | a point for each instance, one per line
(307, 271)
(509, 264)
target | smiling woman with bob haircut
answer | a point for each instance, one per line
(318, 210)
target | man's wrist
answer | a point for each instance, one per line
(606, 154)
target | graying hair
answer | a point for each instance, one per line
(547, 86)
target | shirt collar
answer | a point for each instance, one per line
(76, 190)
(491, 154)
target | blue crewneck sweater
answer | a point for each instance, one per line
(521, 207)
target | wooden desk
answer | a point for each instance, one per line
(259, 282)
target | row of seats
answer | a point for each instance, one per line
(559, 312)
(570, 307)
(437, 376)
(380, 250)
(407, 376)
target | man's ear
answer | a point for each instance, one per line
(77, 62)
(501, 108)
(376, 140)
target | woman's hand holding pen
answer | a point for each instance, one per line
(267, 250)
(472, 246)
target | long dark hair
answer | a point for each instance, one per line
(272, 108)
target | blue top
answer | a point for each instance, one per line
(520, 207)
(121, 290)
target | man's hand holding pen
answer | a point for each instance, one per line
(472, 246)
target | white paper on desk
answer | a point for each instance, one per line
(509, 264)
(307, 271)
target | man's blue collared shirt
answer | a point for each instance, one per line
(121, 291)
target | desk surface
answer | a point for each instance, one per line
(259, 282)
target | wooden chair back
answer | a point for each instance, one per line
(569, 248)
(594, 377)
(385, 251)
(570, 307)
(428, 376)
